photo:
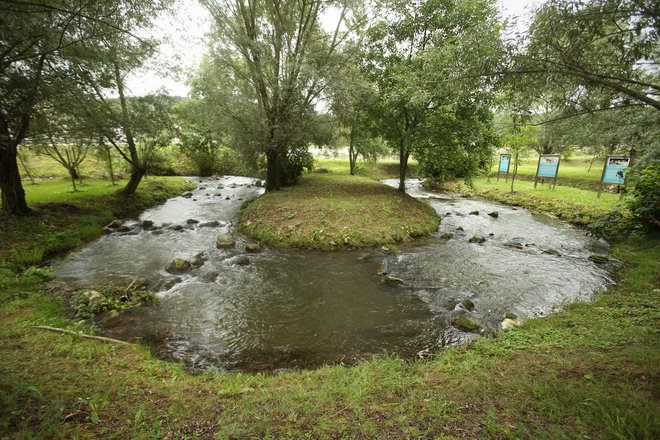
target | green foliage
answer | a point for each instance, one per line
(87, 305)
(645, 202)
(292, 164)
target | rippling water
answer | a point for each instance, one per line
(297, 309)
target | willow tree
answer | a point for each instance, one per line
(268, 62)
(41, 43)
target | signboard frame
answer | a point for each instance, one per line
(538, 169)
(508, 166)
(606, 168)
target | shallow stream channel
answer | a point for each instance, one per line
(290, 309)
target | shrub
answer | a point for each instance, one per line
(645, 202)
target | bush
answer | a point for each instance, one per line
(645, 203)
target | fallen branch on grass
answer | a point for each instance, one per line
(81, 334)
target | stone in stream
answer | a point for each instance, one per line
(242, 260)
(460, 229)
(551, 252)
(464, 323)
(514, 245)
(199, 260)
(115, 224)
(477, 239)
(146, 224)
(599, 258)
(171, 283)
(447, 235)
(157, 232)
(192, 221)
(224, 241)
(393, 281)
(474, 213)
(494, 214)
(509, 315)
(213, 224)
(422, 297)
(176, 228)
(187, 195)
(179, 265)
(258, 183)
(123, 229)
(467, 304)
(252, 248)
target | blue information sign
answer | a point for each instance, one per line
(505, 160)
(548, 165)
(615, 169)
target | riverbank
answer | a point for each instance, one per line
(332, 211)
(589, 371)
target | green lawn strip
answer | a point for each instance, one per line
(327, 210)
(576, 206)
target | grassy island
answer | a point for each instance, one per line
(328, 210)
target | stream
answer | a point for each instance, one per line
(292, 309)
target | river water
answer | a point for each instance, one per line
(300, 309)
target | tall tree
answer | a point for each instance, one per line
(427, 57)
(40, 45)
(269, 58)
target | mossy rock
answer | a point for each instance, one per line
(464, 323)
(179, 265)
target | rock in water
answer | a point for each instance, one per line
(513, 244)
(599, 258)
(115, 224)
(474, 213)
(179, 265)
(394, 281)
(224, 241)
(242, 260)
(146, 224)
(252, 248)
(494, 214)
(258, 183)
(477, 239)
(551, 252)
(192, 221)
(467, 304)
(464, 323)
(447, 235)
(213, 224)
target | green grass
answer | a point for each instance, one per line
(329, 210)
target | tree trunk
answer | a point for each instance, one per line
(271, 171)
(403, 166)
(133, 182)
(13, 195)
(352, 154)
(111, 171)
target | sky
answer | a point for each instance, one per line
(183, 31)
